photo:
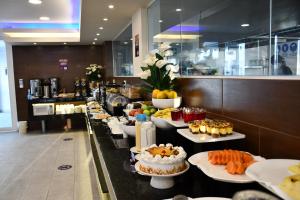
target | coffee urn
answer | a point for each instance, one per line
(36, 88)
(54, 87)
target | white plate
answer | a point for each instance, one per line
(160, 123)
(204, 138)
(270, 173)
(206, 198)
(218, 172)
(177, 124)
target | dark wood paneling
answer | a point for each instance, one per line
(279, 145)
(42, 62)
(108, 59)
(202, 92)
(268, 103)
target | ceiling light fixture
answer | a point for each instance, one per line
(111, 6)
(101, 28)
(105, 19)
(178, 10)
(42, 35)
(36, 2)
(97, 34)
(95, 38)
(245, 25)
(160, 21)
(44, 18)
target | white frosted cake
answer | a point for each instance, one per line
(162, 159)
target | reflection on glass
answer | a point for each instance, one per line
(228, 37)
(122, 53)
(285, 37)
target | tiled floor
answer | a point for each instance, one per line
(28, 167)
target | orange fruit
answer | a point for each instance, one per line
(154, 93)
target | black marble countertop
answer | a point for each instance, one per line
(128, 185)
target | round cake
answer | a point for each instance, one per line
(162, 159)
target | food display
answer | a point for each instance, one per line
(164, 94)
(215, 128)
(236, 162)
(162, 159)
(131, 92)
(191, 114)
(145, 109)
(291, 186)
(165, 113)
(101, 116)
(112, 90)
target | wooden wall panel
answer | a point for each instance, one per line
(42, 62)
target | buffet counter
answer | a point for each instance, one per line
(123, 184)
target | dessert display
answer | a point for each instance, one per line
(191, 114)
(236, 161)
(291, 186)
(162, 159)
(215, 128)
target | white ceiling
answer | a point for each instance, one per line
(63, 12)
(93, 12)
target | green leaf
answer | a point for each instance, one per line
(158, 56)
(144, 68)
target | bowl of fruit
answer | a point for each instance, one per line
(145, 109)
(165, 99)
(160, 118)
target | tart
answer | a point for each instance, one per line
(162, 159)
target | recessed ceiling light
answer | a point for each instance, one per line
(178, 10)
(97, 34)
(160, 21)
(105, 19)
(111, 6)
(65, 43)
(34, 43)
(44, 18)
(35, 1)
(101, 28)
(125, 42)
(94, 42)
(95, 38)
(245, 25)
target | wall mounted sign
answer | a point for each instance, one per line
(63, 64)
(136, 45)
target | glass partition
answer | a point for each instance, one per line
(228, 37)
(122, 53)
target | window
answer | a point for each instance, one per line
(228, 37)
(122, 53)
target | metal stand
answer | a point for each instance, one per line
(43, 122)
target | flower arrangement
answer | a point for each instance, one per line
(157, 71)
(93, 72)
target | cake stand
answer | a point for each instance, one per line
(161, 181)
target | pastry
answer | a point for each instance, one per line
(162, 159)
(291, 186)
(295, 168)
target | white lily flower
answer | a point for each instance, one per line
(168, 53)
(99, 76)
(94, 69)
(172, 75)
(172, 68)
(163, 47)
(161, 63)
(150, 60)
(145, 74)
